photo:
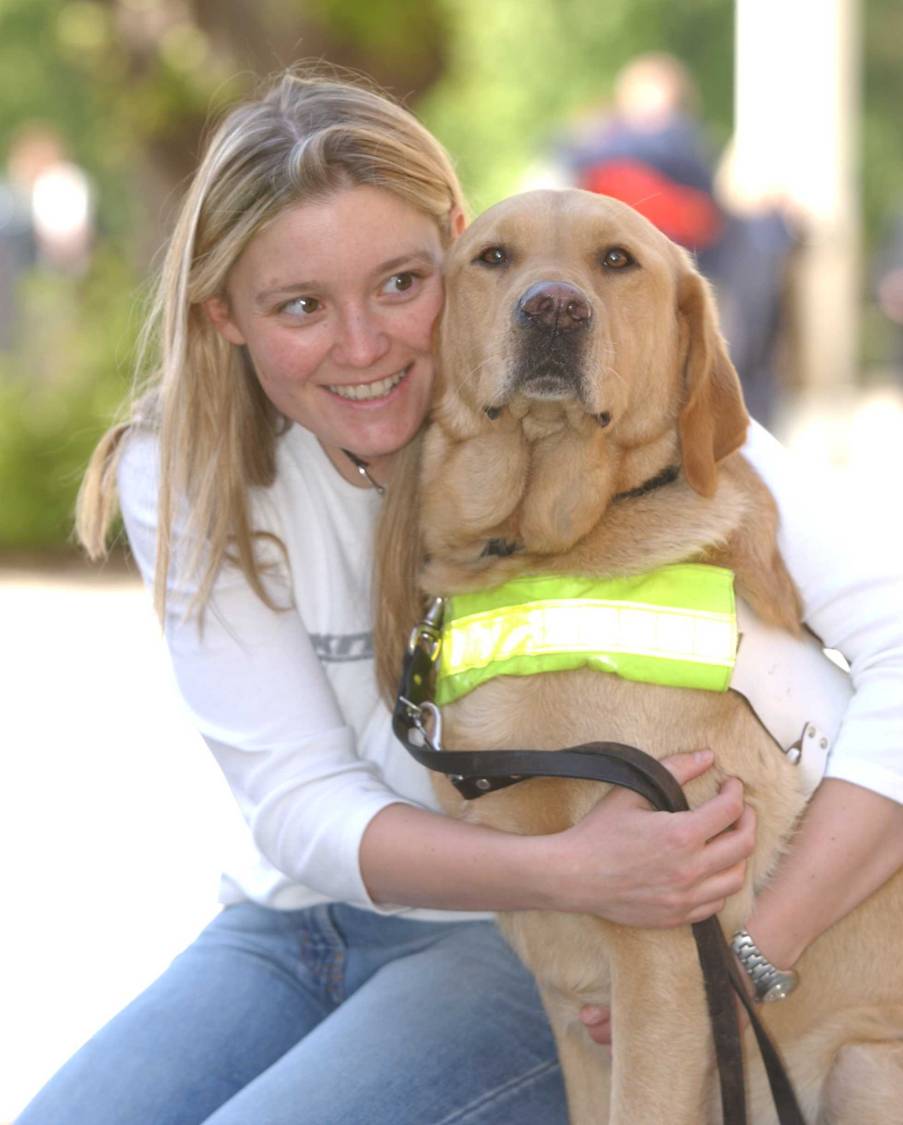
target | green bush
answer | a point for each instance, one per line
(59, 390)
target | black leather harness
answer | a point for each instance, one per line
(475, 773)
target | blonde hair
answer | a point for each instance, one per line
(302, 138)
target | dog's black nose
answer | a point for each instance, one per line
(555, 305)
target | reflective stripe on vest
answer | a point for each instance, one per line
(675, 626)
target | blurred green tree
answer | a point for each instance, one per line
(882, 131)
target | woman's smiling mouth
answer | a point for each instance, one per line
(365, 391)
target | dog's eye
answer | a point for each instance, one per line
(617, 258)
(493, 256)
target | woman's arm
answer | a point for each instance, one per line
(623, 861)
(849, 843)
(848, 566)
(851, 837)
(258, 693)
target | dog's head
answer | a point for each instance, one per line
(578, 355)
(573, 298)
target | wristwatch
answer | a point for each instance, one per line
(769, 982)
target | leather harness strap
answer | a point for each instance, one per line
(476, 773)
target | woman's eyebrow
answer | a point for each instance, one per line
(416, 257)
(421, 257)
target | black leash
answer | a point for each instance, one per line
(475, 773)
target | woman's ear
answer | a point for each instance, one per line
(220, 316)
(457, 222)
(713, 419)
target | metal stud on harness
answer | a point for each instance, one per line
(417, 724)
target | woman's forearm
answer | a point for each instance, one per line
(413, 857)
(850, 842)
(623, 861)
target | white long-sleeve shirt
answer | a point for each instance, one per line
(287, 701)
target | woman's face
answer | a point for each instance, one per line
(335, 301)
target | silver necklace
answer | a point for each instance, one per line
(362, 468)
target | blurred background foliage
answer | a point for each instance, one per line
(129, 84)
(516, 70)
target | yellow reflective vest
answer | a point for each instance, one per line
(675, 626)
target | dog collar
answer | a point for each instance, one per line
(668, 475)
(675, 626)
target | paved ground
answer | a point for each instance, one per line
(114, 820)
(113, 817)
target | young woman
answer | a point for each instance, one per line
(354, 974)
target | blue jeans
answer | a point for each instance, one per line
(323, 1016)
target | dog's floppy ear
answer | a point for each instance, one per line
(713, 419)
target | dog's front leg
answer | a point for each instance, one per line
(662, 1065)
(585, 1065)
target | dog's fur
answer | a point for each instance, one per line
(533, 434)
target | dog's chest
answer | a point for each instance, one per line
(556, 709)
(559, 709)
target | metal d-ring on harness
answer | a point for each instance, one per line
(475, 773)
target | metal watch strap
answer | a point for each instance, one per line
(769, 982)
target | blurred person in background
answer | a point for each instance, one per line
(46, 219)
(354, 973)
(650, 150)
(59, 195)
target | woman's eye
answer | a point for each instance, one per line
(301, 306)
(616, 258)
(400, 283)
(493, 256)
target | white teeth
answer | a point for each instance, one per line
(369, 390)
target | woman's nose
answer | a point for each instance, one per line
(361, 340)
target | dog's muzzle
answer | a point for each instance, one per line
(552, 320)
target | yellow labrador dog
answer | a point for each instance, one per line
(586, 423)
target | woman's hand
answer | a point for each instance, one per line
(633, 865)
(597, 1021)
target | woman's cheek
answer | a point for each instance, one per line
(288, 364)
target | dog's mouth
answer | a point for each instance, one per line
(549, 367)
(549, 386)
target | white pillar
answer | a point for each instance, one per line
(796, 107)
